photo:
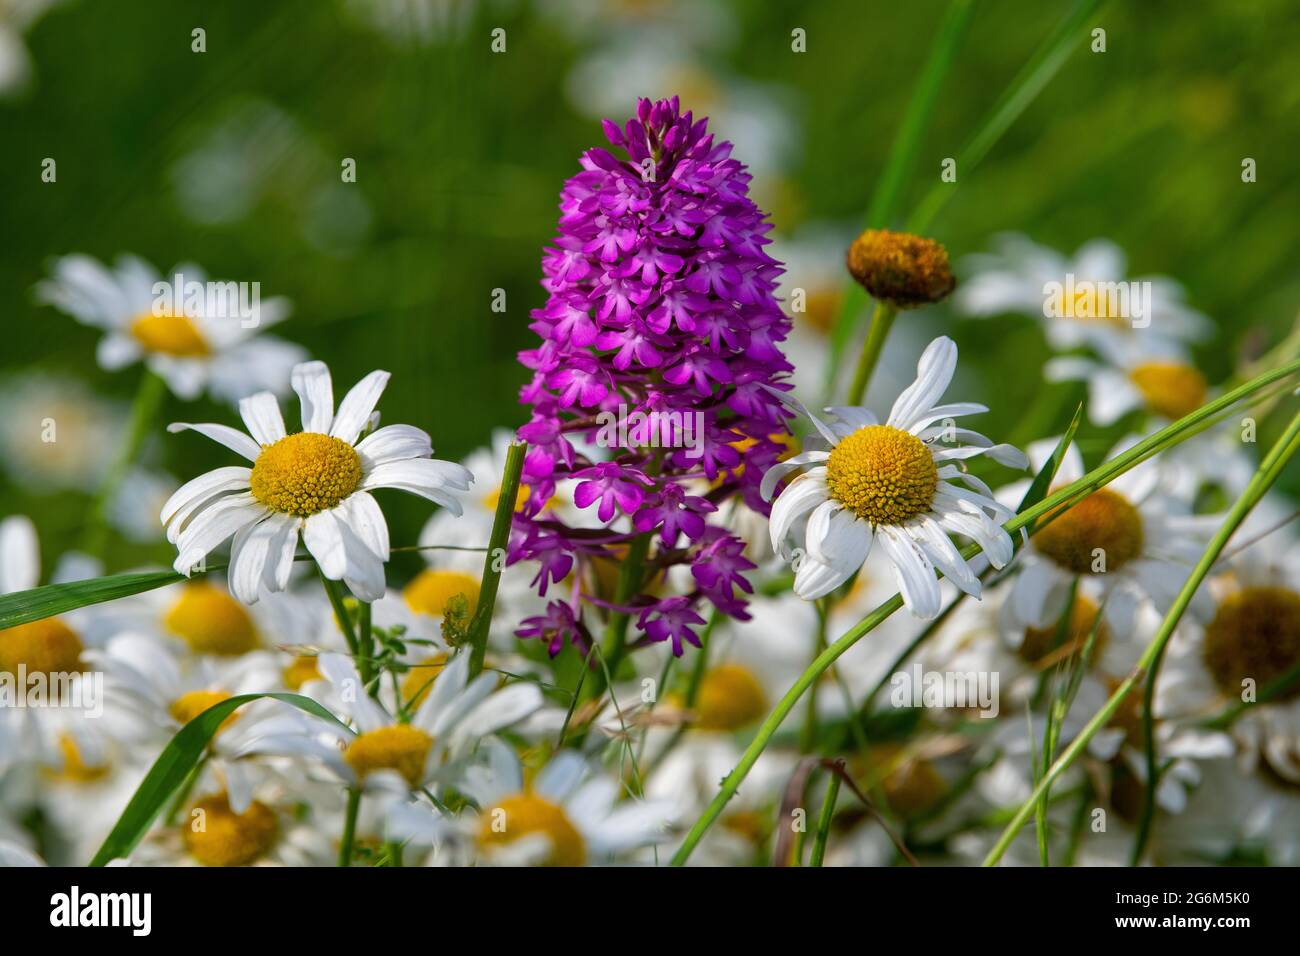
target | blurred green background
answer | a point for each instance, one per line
(231, 158)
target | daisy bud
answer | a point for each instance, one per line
(904, 270)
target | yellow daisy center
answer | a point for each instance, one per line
(431, 589)
(75, 768)
(217, 836)
(882, 474)
(1090, 305)
(301, 670)
(493, 498)
(1039, 642)
(1171, 389)
(192, 703)
(47, 646)
(730, 697)
(169, 335)
(210, 621)
(1255, 634)
(400, 747)
(1101, 533)
(305, 473)
(526, 814)
(419, 679)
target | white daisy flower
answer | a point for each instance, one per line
(192, 352)
(1125, 542)
(894, 483)
(56, 433)
(393, 754)
(316, 482)
(1165, 384)
(1021, 276)
(1251, 640)
(568, 814)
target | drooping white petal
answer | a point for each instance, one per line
(315, 389)
(933, 374)
(803, 494)
(943, 554)
(261, 413)
(363, 515)
(357, 404)
(248, 554)
(215, 482)
(212, 526)
(324, 539)
(913, 572)
(233, 439)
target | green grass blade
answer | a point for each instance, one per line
(899, 166)
(22, 607)
(1029, 82)
(174, 764)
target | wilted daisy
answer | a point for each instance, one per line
(315, 482)
(194, 351)
(1072, 296)
(894, 483)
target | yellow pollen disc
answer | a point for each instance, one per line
(730, 697)
(192, 703)
(1171, 389)
(1090, 306)
(210, 621)
(400, 747)
(305, 473)
(1039, 642)
(75, 768)
(431, 589)
(1103, 525)
(47, 646)
(169, 335)
(1255, 634)
(419, 679)
(882, 474)
(301, 670)
(217, 836)
(524, 815)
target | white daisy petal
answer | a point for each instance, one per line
(214, 525)
(215, 482)
(933, 374)
(773, 476)
(315, 390)
(913, 572)
(233, 439)
(394, 443)
(803, 494)
(261, 414)
(357, 404)
(323, 537)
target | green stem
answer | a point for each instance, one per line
(630, 575)
(808, 739)
(1063, 497)
(349, 826)
(1268, 472)
(824, 824)
(144, 410)
(882, 320)
(334, 591)
(494, 560)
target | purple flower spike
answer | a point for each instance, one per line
(661, 314)
(558, 625)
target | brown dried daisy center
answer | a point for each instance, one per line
(169, 334)
(1101, 533)
(1255, 634)
(305, 473)
(882, 474)
(730, 697)
(527, 814)
(1171, 389)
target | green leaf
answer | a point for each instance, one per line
(22, 607)
(1042, 482)
(175, 763)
